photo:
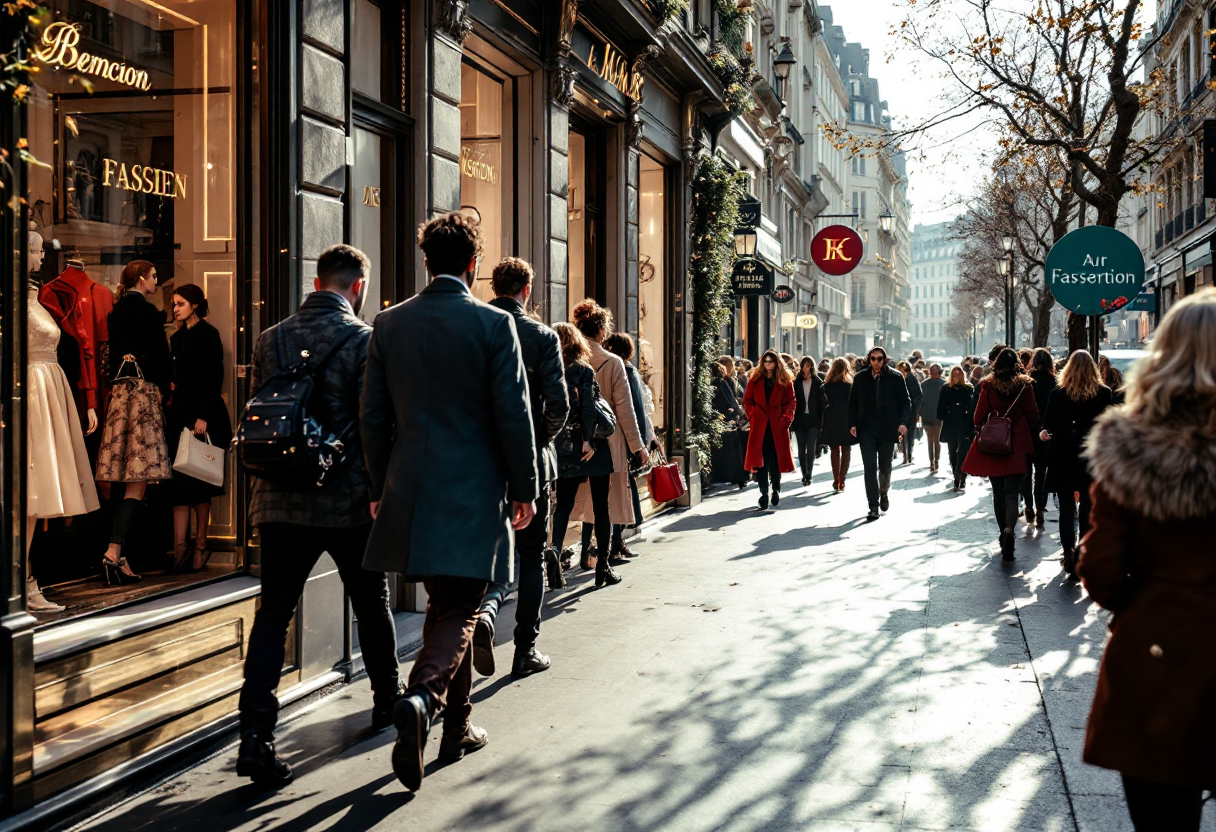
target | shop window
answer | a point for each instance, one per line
(366, 32)
(576, 221)
(140, 167)
(486, 177)
(652, 285)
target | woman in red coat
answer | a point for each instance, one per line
(1006, 391)
(769, 404)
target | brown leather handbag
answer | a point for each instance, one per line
(996, 436)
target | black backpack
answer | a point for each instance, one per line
(279, 438)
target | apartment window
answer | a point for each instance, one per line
(859, 296)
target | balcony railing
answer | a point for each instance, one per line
(1190, 218)
(1178, 225)
(1159, 239)
(1201, 212)
(1169, 232)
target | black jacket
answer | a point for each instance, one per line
(726, 402)
(915, 394)
(1069, 423)
(542, 353)
(884, 416)
(343, 501)
(583, 388)
(639, 402)
(198, 379)
(818, 401)
(138, 328)
(835, 426)
(956, 412)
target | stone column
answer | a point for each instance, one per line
(450, 25)
(561, 76)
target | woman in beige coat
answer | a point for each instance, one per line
(595, 323)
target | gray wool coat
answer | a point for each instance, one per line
(447, 436)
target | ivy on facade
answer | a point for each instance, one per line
(665, 10)
(715, 213)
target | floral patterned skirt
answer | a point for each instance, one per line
(133, 447)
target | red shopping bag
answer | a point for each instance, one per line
(665, 481)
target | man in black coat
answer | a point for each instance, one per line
(880, 411)
(451, 459)
(298, 526)
(542, 354)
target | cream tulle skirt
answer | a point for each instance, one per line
(60, 480)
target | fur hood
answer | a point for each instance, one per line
(1006, 387)
(1162, 471)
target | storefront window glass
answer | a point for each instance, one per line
(652, 285)
(576, 221)
(133, 112)
(486, 176)
(365, 38)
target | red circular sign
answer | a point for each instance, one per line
(837, 249)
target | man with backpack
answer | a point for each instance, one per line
(542, 354)
(325, 341)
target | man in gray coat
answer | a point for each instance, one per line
(451, 460)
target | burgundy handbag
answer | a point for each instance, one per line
(996, 436)
(665, 481)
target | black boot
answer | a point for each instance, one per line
(412, 716)
(585, 558)
(1007, 545)
(257, 760)
(604, 573)
(553, 570)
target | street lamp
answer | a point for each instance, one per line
(782, 64)
(885, 219)
(1007, 241)
(1004, 268)
(745, 242)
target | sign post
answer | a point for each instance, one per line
(1093, 271)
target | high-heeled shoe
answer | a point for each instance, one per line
(36, 601)
(180, 561)
(119, 572)
(200, 548)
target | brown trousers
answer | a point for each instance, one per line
(444, 667)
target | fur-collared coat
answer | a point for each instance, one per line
(1149, 559)
(999, 397)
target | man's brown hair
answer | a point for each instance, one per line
(449, 242)
(510, 277)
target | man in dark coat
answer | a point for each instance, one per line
(542, 353)
(297, 527)
(447, 436)
(880, 411)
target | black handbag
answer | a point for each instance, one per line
(605, 419)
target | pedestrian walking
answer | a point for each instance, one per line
(1147, 559)
(1034, 484)
(930, 394)
(769, 403)
(1002, 454)
(915, 394)
(955, 413)
(1112, 378)
(880, 414)
(538, 344)
(835, 432)
(451, 458)
(297, 524)
(726, 459)
(581, 455)
(809, 402)
(198, 406)
(1072, 408)
(626, 445)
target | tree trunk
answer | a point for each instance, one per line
(1078, 338)
(1042, 318)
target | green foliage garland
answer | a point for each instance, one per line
(715, 213)
(665, 10)
(734, 79)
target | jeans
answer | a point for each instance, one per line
(1034, 482)
(444, 666)
(530, 547)
(289, 553)
(876, 460)
(769, 476)
(841, 455)
(567, 491)
(933, 438)
(1162, 807)
(1069, 516)
(957, 448)
(1005, 499)
(807, 435)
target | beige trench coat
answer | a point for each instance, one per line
(614, 387)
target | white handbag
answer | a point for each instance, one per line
(199, 459)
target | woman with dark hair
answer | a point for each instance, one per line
(726, 459)
(198, 406)
(621, 345)
(1034, 484)
(835, 432)
(809, 401)
(955, 406)
(133, 448)
(769, 402)
(580, 455)
(1004, 393)
(1072, 409)
(916, 394)
(1112, 378)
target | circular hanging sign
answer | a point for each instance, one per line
(1094, 270)
(783, 294)
(837, 249)
(807, 321)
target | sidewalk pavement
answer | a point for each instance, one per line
(794, 669)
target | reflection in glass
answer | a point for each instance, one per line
(485, 109)
(576, 222)
(652, 284)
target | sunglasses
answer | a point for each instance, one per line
(874, 358)
(770, 361)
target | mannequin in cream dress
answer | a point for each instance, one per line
(59, 481)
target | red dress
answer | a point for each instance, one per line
(762, 413)
(1024, 414)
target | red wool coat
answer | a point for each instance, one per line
(762, 413)
(995, 399)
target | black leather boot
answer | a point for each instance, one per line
(257, 760)
(604, 573)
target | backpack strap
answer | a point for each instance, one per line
(351, 332)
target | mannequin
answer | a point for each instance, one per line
(59, 482)
(81, 308)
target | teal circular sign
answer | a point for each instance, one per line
(1094, 270)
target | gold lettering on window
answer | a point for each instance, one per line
(59, 42)
(371, 196)
(142, 179)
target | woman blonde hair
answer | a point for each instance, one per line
(575, 349)
(840, 371)
(1080, 379)
(1176, 381)
(780, 372)
(956, 370)
(904, 367)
